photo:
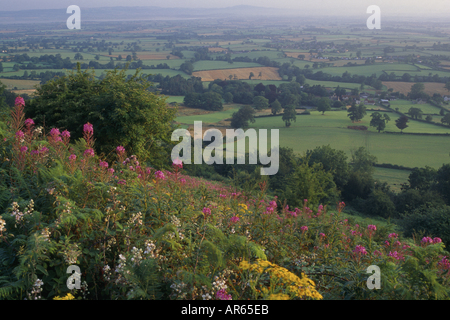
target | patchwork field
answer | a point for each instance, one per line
(20, 84)
(405, 87)
(267, 73)
(146, 56)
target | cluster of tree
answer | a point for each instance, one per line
(180, 86)
(43, 76)
(209, 101)
(187, 67)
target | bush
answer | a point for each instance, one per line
(433, 221)
(122, 111)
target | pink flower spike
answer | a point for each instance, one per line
(65, 134)
(120, 150)
(55, 132)
(89, 153)
(177, 163)
(29, 122)
(19, 101)
(159, 175)
(23, 149)
(206, 211)
(88, 128)
(72, 157)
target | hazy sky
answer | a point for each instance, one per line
(327, 7)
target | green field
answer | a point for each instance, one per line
(315, 130)
(215, 65)
(211, 117)
(393, 177)
(403, 106)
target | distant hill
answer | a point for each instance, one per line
(139, 13)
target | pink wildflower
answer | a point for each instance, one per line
(111, 170)
(437, 240)
(20, 135)
(44, 149)
(304, 228)
(222, 295)
(23, 149)
(120, 150)
(121, 181)
(19, 101)
(159, 175)
(322, 235)
(427, 240)
(372, 227)
(65, 134)
(29, 122)
(206, 211)
(360, 249)
(88, 128)
(89, 153)
(72, 157)
(55, 132)
(182, 180)
(177, 163)
(393, 235)
(234, 219)
(104, 164)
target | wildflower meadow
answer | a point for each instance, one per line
(138, 232)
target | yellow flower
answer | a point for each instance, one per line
(300, 287)
(279, 296)
(243, 205)
(67, 297)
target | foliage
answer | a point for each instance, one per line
(138, 233)
(378, 121)
(356, 113)
(122, 111)
(401, 122)
(242, 118)
(289, 114)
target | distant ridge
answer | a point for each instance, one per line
(140, 13)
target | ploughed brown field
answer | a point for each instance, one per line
(216, 49)
(405, 87)
(267, 73)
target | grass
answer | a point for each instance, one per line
(211, 117)
(215, 65)
(393, 177)
(20, 84)
(317, 130)
(403, 106)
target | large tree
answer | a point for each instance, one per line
(417, 91)
(415, 113)
(379, 121)
(356, 112)
(446, 119)
(332, 160)
(323, 105)
(122, 111)
(241, 118)
(289, 114)
(275, 107)
(401, 123)
(260, 103)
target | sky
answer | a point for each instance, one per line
(326, 7)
